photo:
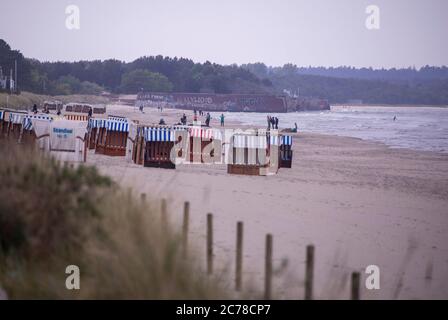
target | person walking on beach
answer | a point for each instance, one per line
(269, 122)
(35, 108)
(276, 123)
(183, 120)
(222, 119)
(207, 119)
(395, 118)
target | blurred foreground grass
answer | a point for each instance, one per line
(53, 215)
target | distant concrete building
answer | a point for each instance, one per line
(214, 101)
(307, 104)
(355, 102)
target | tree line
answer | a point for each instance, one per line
(428, 85)
(409, 74)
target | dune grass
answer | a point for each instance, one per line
(53, 215)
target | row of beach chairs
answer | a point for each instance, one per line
(253, 152)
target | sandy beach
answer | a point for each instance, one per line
(359, 202)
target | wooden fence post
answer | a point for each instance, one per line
(86, 140)
(209, 243)
(268, 269)
(239, 255)
(356, 279)
(309, 273)
(138, 155)
(185, 228)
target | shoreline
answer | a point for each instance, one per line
(174, 114)
(388, 105)
(380, 143)
(366, 133)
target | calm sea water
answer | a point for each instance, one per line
(418, 128)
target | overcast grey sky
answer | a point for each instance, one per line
(304, 32)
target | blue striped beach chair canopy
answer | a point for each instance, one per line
(97, 123)
(117, 118)
(117, 125)
(280, 140)
(161, 134)
(28, 120)
(17, 117)
(287, 140)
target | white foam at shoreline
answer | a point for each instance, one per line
(418, 128)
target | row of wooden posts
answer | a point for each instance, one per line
(268, 274)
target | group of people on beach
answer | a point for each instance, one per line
(196, 113)
(208, 117)
(272, 122)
